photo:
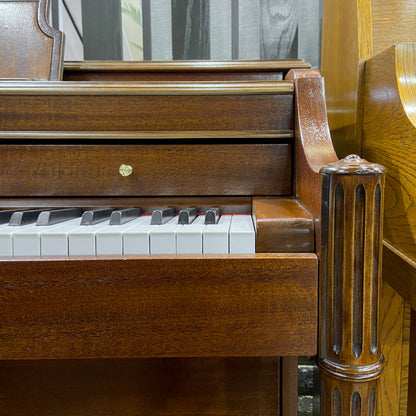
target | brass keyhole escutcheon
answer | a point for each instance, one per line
(125, 170)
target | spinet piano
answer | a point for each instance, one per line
(187, 334)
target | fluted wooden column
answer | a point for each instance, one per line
(350, 355)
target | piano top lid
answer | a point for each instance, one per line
(187, 66)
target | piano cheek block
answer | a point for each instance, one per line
(282, 226)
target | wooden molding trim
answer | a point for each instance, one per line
(145, 88)
(181, 66)
(146, 135)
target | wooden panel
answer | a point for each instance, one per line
(259, 305)
(405, 361)
(37, 47)
(346, 42)
(392, 319)
(137, 112)
(389, 138)
(411, 405)
(160, 387)
(158, 170)
(400, 272)
(392, 23)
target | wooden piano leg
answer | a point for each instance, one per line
(350, 358)
(289, 397)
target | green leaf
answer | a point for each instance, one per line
(139, 47)
(133, 12)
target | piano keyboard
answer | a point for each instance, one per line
(138, 236)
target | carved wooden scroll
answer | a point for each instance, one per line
(350, 355)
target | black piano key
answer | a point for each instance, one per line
(25, 217)
(212, 215)
(161, 216)
(123, 216)
(6, 214)
(95, 216)
(57, 216)
(187, 215)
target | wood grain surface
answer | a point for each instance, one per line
(117, 107)
(411, 405)
(392, 23)
(393, 319)
(389, 138)
(282, 226)
(158, 170)
(37, 47)
(351, 359)
(143, 387)
(346, 42)
(311, 130)
(259, 305)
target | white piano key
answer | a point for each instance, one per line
(54, 240)
(82, 240)
(6, 238)
(242, 235)
(109, 240)
(215, 236)
(163, 238)
(136, 240)
(26, 241)
(189, 237)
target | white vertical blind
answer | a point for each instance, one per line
(220, 29)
